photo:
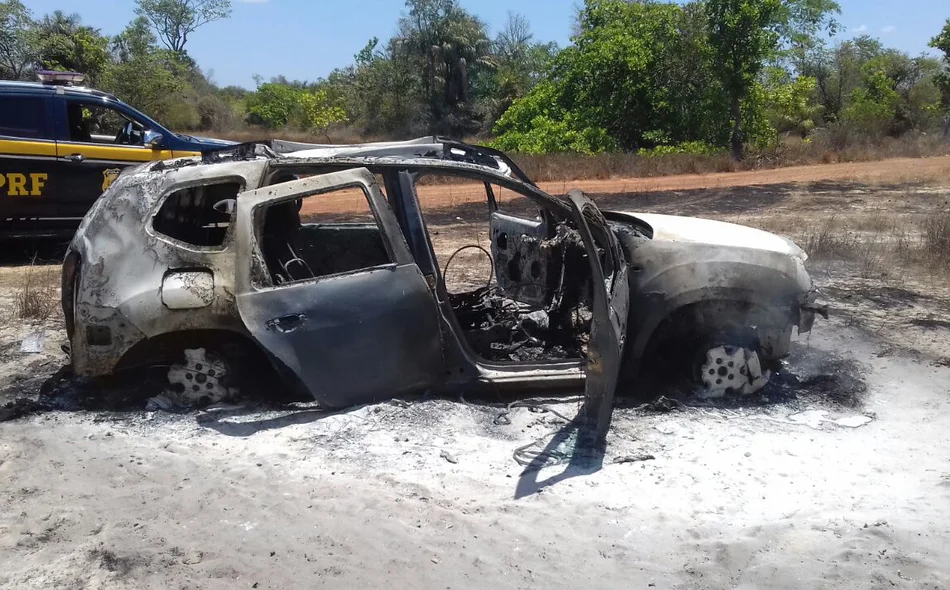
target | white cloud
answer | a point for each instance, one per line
(888, 29)
(861, 29)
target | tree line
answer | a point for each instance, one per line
(638, 76)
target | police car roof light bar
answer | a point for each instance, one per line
(54, 78)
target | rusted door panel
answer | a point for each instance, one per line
(352, 338)
(611, 301)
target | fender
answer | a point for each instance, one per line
(660, 296)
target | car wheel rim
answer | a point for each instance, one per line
(729, 370)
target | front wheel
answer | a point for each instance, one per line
(724, 369)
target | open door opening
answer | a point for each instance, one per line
(515, 274)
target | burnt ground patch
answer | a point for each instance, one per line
(807, 378)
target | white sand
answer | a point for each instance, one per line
(251, 499)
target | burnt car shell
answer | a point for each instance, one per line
(392, 329)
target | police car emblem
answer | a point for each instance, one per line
(108, 177)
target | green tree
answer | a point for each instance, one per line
(521, 63)
(64, 43)
(17, 51)
(448, 45)
(942, 80)
(801, 24)
(175, 20)
(319, 113)
(145, 76)
(640, 74)
(793, 106)
(538, 124)
(744, 33)
(272, 105)
(135, 41)
(872, 107)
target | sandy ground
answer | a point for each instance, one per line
(838, 477)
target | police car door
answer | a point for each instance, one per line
(27, 160)
(94, 148)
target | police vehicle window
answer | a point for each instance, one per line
(94, 123)
(23, 116)
(321, 235)
(198, 215)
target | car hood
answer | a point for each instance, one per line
(670, 228)
(207, 142)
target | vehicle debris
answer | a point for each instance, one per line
(815, 419)
(634, 459)
(32, 344)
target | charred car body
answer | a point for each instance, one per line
(206, 265)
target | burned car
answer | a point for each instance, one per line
(318, 263)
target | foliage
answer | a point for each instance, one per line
(318, 113)
(279, 105)
(647, 77)
(873, 105)
(942, 80)
(17, 52)
(272, 105)
(743, 33)
(640, 72)
(535, 125)
(175, 20)
(793, 106)
(63, 43)
(449, 47)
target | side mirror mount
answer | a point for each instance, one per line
(154, 140)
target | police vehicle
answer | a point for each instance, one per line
(62, 145)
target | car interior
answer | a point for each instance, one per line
(302, 239)
(98, 124)
(535, 307)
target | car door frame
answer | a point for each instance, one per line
(263, 305)
(600, 375)
(611, 306)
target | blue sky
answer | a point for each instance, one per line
(306, 39)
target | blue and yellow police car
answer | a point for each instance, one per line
(62, 145)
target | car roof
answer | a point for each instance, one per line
(415, 152)
(38, 88)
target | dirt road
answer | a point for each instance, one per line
(896, 171)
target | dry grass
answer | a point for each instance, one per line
(37, 295)
(936, 240)
(876, 246)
